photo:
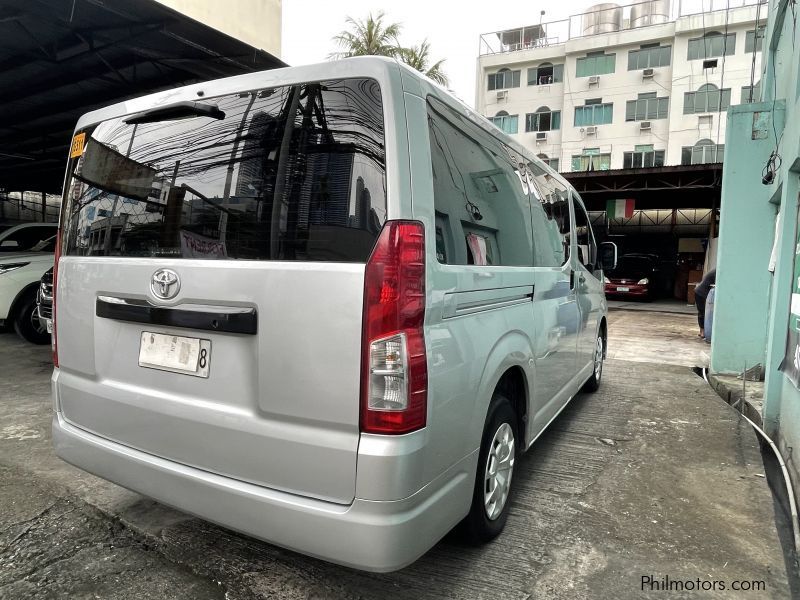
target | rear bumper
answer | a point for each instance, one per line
(634, 290)
(371, 535)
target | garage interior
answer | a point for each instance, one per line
(675, 218)
(62, 58)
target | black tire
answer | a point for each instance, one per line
(593, 383)
(27, 323)
(477, 527)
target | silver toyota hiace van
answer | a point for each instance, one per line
(326, 306)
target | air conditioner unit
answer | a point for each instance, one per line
(502, 94)
(647, 73)
(705, 121)
(591, 130)
(545, 79)
(644, 125)
(594, 80)
(541, 136)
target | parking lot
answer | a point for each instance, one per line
(652, 476)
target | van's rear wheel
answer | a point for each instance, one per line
(489, 510)
(27, 323)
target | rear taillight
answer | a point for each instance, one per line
(394, 371)
(53, 340)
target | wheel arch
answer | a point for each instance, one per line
(509, 369)
(20, 298)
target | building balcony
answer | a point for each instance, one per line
(614, 18)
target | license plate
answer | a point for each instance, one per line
(49, 324)
(623, 289)
(174, 353)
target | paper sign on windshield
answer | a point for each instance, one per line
(77, 145)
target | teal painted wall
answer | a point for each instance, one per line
(746, 231)
(780, 88)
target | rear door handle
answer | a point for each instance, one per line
(211, 318)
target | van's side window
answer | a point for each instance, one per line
(480, 199)
(587, 250)
(550, 219)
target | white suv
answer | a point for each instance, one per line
(26, 253)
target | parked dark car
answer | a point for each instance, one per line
(633, 278)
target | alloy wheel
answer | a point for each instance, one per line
(499, 469)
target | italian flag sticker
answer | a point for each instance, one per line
(618, 209)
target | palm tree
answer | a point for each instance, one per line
(368, 37)
(418, 58)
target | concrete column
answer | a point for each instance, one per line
(777, 387)
(746, 233)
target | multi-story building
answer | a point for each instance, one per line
(641, 85)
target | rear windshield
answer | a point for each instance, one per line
(287, 173)
(633, 265)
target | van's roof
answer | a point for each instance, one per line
(378, 67)
(368, 66)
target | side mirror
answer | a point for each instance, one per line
(608, 256)
(9, 244)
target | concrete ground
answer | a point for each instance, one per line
(652, 476)
(655, 337)
(667, 305)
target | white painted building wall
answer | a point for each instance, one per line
(254, 22)
(682, 75)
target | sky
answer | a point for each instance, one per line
(308, 27)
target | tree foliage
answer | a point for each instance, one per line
(373, 36)
(368, 37)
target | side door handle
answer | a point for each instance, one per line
(581, 279)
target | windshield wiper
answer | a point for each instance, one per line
(180, 110)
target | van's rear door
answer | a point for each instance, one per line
(210, 289)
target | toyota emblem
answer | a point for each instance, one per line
(165, 284)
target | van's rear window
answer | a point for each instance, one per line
(286, 173)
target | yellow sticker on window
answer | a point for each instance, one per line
(77, 145)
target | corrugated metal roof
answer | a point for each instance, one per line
(62, 58)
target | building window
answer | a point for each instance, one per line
(649, 57)
(708, 98)
(753, 40)
(595, 63)
(647, 108)
(704, 151)
(546, 73)
(591, 159)
(594, 113)
(550, 162)
(543, 119)
(505, 122)
(503, 79)
(756, 96)
(643, 156)
(712, 44)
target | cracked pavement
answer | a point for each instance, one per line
(56, 547)
(652, 475)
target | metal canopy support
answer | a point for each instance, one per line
(61, 59)
(676, 187)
